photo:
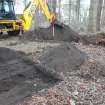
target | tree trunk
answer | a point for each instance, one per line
(99, 11)
(92, 16)
(59, 11)
(77, 10)
(95, 15)
(69, 12)
(54, 2)
(103, 15)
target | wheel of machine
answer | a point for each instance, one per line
(14, 33)
(1, 33)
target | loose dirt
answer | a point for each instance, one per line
(85, 89)
(63, 58)
(60, 34)
(97, 38)
(22, 81)
(19, 77)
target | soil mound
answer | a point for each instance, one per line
(93, 38)
(64, 58)
(13, 62)
(64, 33)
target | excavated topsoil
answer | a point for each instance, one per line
(97, 38)
(18, 78)
(64, 33)
(87, 88)
(63, 58)
(84, 87)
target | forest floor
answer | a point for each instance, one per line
(22, 84)
(82, 87)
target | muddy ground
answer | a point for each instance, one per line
(21, 83)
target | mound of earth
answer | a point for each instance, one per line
(62, 59)
(97, 38)
(61, 34)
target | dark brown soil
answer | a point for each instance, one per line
(61, 34)
(64, 58)
(18, 78)
(93, 38)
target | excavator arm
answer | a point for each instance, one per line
(50, 16)
(30, 10)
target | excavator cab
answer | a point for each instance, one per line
(8, 21)
(7, 10)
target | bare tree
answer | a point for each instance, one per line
(77, 10)
(95, 15)
(54, 3)
(99, 11)
(103, 15)
(59, 10)
(92, 16)
(69, 11)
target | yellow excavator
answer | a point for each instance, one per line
(9, 22)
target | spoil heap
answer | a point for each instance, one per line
(62, 59)
(61, 34)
